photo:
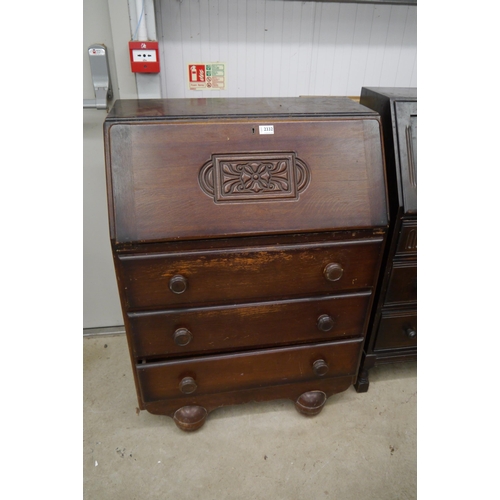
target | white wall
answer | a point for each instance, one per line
(101, 306)
(288, 48)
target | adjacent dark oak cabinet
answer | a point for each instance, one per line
(392, 334)
(247, 237)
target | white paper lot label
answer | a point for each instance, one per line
(266, 129)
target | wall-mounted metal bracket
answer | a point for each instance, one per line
(99, 67)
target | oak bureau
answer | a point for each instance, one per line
(247, 236)
(392, 331)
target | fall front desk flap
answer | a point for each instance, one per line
(248, 166)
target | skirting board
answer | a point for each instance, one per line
(108, 330)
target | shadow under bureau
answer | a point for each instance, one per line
(247, 237)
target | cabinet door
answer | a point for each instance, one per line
(406, 124)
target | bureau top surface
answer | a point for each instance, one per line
(172, 109)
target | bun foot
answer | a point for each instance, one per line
(310, 403)
(190, 418)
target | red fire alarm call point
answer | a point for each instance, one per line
(144, 57)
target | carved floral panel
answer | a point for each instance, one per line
(254, 177)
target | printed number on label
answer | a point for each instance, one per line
(266, 129)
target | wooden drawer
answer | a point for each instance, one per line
(252, 369)
(407, 242)
(242, 275)
(402, 283)
(397, 330)
(182, 331)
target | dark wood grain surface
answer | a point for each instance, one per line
(246, 262)
(182, 109)
(397, 329)
(263, 324)
(158, 195)
(247, 370)
(395, 306)
(240, 275)
(402, 285)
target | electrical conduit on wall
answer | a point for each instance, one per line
(143, 28)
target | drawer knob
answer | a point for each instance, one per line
(187, 385)
(320, 367)
(325, 323)
(333, 271)
(411, 333)
(178, 284)
(182, 336)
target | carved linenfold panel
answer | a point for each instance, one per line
(412, 163)
(411, 240)
(254, 177)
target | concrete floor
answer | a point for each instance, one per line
(360, 447)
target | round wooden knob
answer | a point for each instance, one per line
(182, 336)
(188, 385)
(320, 367)
(411, 333)
(178, 284)
(325, 323)
(333, 271)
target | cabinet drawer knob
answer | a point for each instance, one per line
(182, 336)
(333, 271)
(411, 333)
(325, 323)
(320, 367)
(187, 385)
(178, 284)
